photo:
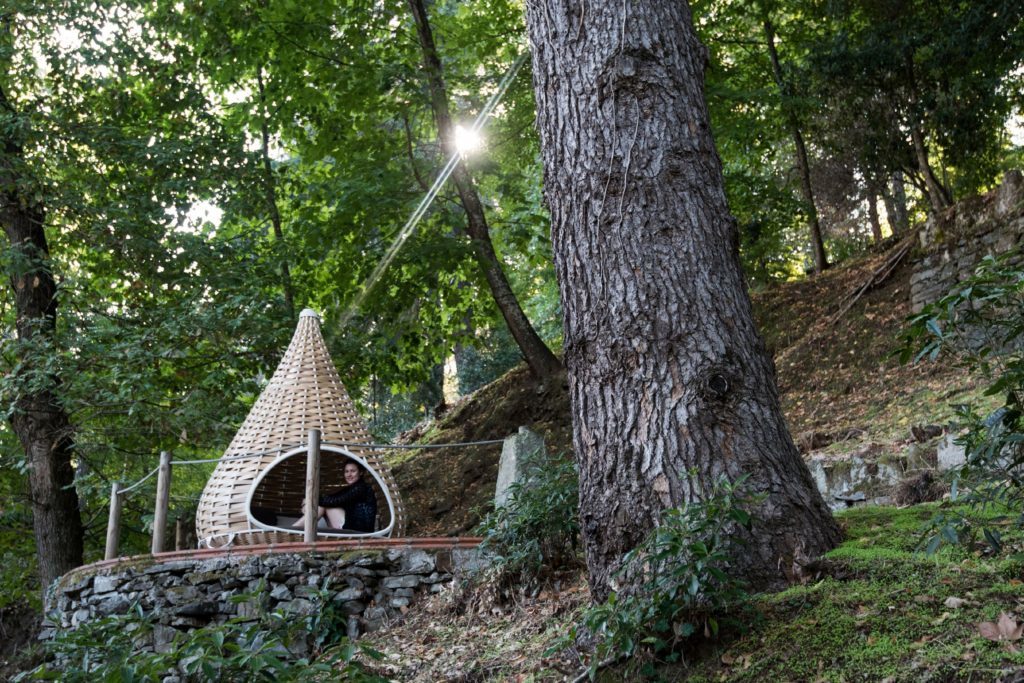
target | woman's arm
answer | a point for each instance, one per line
(345, 495)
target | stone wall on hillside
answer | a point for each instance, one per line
(955, 242)
(371, 586)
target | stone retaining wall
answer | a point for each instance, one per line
(369, 585)
(957, 241)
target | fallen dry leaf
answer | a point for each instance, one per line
(1006, 628)
(921, 642)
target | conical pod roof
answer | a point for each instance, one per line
(304, 393)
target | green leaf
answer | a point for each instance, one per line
(994, 539)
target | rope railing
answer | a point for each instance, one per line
(163, 470)
(140, 482)
(401, 446)
(344, 444)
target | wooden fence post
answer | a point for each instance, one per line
(163, 497)
(312, 485)
(113, 523)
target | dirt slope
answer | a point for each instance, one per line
(839, 376)
(446, 491)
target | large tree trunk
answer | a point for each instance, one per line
(543, 363)
(39, 420)
(804, 167)
(670, 383)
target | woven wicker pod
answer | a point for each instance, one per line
(245, 499)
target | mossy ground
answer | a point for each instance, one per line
(877, 612)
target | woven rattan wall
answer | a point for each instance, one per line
(305, 393)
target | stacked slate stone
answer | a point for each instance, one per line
(955, 242)
(371, 587)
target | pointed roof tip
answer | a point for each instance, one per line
(305, 392)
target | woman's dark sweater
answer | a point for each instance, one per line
(359, 503)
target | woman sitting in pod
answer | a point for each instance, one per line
(351, 508)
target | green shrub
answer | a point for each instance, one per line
(19, 584)
(264, 649)
(537, 531)
(980, 326)
(678, 580)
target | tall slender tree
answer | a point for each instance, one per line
(543, 363)
(895, 198)
(38, 417)
(270, 190)
(800, 147)
(670, 383)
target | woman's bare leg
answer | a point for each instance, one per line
(335, 517)
(319, 513)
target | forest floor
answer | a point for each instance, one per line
(875, 610)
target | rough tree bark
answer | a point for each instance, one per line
(670, 383)
(543, 363)
(803, 166)
(39, 420)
